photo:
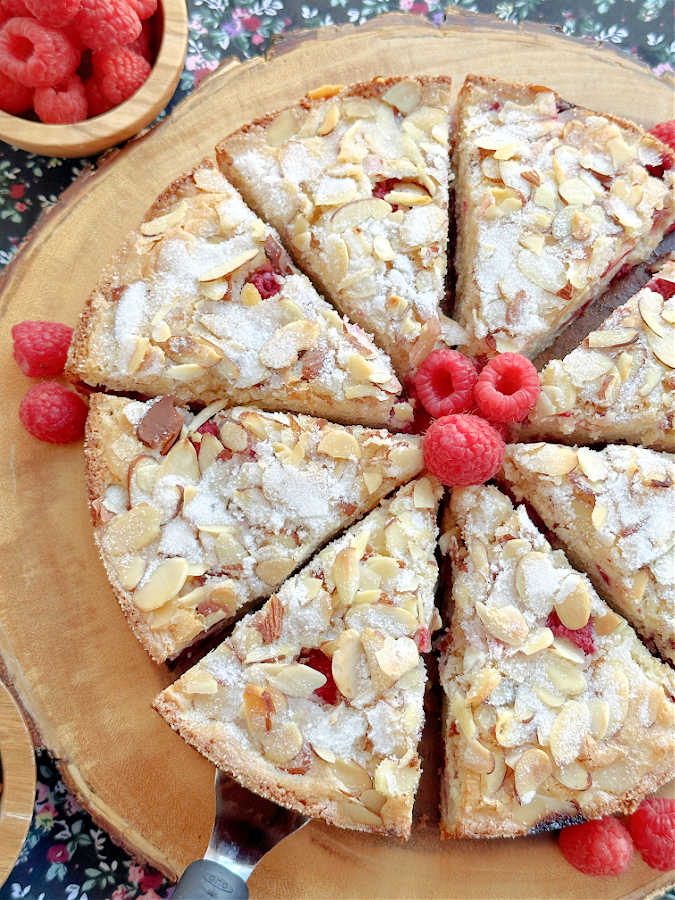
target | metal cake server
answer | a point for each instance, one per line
(245, 828)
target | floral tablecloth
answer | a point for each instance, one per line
(66, 856)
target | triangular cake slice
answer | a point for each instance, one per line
(316, 701)
(619, 384)
(614, 512)
(554, 710)
(552, 200)
(355, 179)
(203, 303)
(197, 516)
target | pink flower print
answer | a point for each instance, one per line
(58, 853)
(135, 873)
(405, 4)
(149, 895)
(150, 880)
(257, 39)
(120, 893)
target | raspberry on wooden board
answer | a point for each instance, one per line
(652, 827)
(598, 847)
(40, 348)
(52, 413)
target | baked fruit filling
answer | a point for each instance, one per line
(614, 512)
(202, 302)
(316, 701)
(554, 709)
(197, 516)
(551, 201)
(619, 384)
(356, 182)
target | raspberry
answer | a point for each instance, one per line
(14, 97)
(34, 55)
(662, 286)
(582, 637)
(318, 660)
(382, 188)
(652, 827)
(600, 847)
(120, 72)
(444, 383)
(96, 102)
(55, 13)
(463, 449)
(40, 348)
(143, 43)
(665, 132)
(265, 281)
(144, 8)
(104, 24)
(52, 413)
(11, 8)
(507, 388)
(62, 104)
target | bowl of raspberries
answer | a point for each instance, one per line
(78, 76)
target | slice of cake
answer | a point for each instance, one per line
(554, 710)
(203, 303)
(619, 384)
(614, 512)
(197, 516)
(316, 701)
(552, 200)
(355, 179)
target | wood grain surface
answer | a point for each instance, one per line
(18, 781)
(76, 667)
(93, 135)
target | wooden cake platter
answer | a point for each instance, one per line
(71, 659)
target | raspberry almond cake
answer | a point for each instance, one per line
(614, 512)
(552, 200)
(316, 701)
(203, 303)
(355, 179)
(197, 516)
(554, 709)
(619, 383)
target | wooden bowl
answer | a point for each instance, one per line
(93, 135)
(18, 777)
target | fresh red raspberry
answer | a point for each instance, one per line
(599, 847)
(11, 8)
(62, 104)
(34, 55)
(14, 97)
(144, 8)
(507, 388)
(665, 132)
(143, 43)
(582, 637)
(444, 383)
(120, 72)
(265, 281)
(662, 286)
(463, 449)
(55, 13)
(317, 659)
(96, 102)
(652, 827)
(52, 413)
(40, 348)
(104, 24)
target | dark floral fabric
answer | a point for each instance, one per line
(66, 856)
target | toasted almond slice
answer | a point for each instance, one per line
(612, 337)
(132, 530)
(230, 265)
(477, 757)
(161, 224)
(357, 211)
(573, 604)
(566, 677)
(573, 776)
(339, 444)
(233, 436)
(297, 680)
(164, 584)
(663, 348)
(404, 96)
(568, 731)
(274, 571)
(506, 623)
(199, 681)
(607, 623)
(129, 570)
(423, 494)
(345, 661)
(592, 464)
(250, 295)
(345, 574)
(185, 372)
(531, 771)
(330, 120)
(324, 91)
